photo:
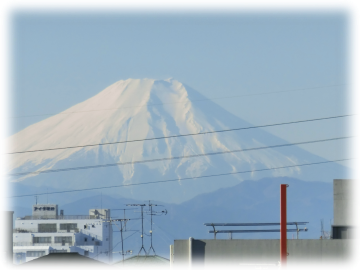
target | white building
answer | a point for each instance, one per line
(45, 232)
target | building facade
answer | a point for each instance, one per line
(346, 209)
(45, 231)
(6, 237)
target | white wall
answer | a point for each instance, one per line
(95, 229)
(262, 251)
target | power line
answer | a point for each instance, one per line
(194, 100)
(172, 158)
(185, 135)
(188, 178)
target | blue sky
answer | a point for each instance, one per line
(61, 59)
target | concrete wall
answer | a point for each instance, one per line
(260, 251)
(343, 191)
(6, 230)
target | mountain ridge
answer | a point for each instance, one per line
(144, 121)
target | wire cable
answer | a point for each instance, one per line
(111, 250)
(188, 178)
(194, 100)
(185, 135)
(173, 158)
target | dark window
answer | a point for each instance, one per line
(86, 253)
(68, 226)
(84, 226)
(47, 227)
(85, 239)
(93, 226)
(58, 251)
(92, 239)
(42, 239)
(35, 253)
(340, 232)
(63, 239)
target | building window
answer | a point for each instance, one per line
(58, 251)
(47, 227)
(4, 257)
(68, 226)
(35, 253)
(85, 239)
(42, 240)
(86, 253)
(63, 239)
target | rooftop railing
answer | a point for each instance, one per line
(67, 217)
(20, 230)
(15, 244)
(80, 243)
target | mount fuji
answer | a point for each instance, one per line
(136, 109)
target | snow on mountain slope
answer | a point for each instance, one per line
(146, 108)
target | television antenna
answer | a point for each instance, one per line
(153, 213)
(142, 225)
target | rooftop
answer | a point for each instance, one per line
(71, 260)
(150, 260)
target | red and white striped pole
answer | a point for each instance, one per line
(283, 229)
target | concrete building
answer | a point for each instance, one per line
(206, 252)
(343, 226)
(45, 231)
(6, 240)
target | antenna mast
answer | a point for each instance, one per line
(153, 213)
(142, 225)
(151, 223)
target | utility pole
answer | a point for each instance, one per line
(123, 209)
(283, 223)
(121, 233)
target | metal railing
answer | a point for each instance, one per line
(19, 230)
(230, 232)
(16, 244)
(60, 217)
(91, 243)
